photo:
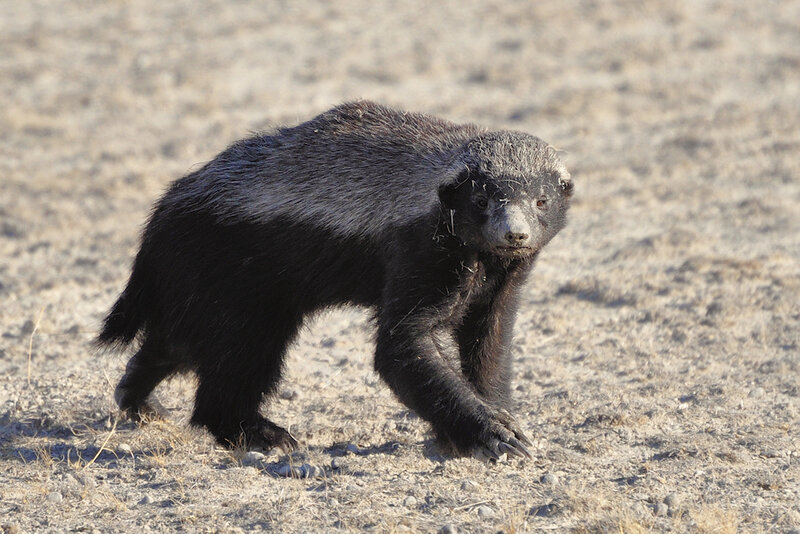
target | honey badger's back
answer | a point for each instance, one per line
(352, 173)
(355, 170)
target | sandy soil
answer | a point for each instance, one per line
(657, 348)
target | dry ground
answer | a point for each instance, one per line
(657, 348)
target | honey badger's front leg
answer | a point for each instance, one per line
(408, 360)
(485, 332)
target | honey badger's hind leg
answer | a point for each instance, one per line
(149, 366)
(234, 378)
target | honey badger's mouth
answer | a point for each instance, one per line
(515, 251)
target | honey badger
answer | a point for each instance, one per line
(433, 225)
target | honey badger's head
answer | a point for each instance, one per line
(510, 197)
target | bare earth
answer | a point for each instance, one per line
(657, 350)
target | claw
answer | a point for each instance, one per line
(516, 444)
(486, 454)
(266, 435)
(511, 423)
(288, 444)
(510, 450)
(522, 437)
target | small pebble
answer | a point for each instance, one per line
(484, 512)
(299, 471)
(550, 479)
(371, 381)
(756, 393)
(327, 342)
(772, 453)
(27, 327)
(147, 499)
(672, 500)
(123, 449)
(545, 510)
(468, 485)
(288, 394)
(253, 458)
(661, 509)
(285, 470)
(410, 501)
(449, 528)
(337, 464)
(55, 497)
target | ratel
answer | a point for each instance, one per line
(433, 225)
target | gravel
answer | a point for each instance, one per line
(485, 512)
(676, 282)
(549, 479)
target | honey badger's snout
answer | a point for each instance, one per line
(509, 227)
(516, 239)
(517, 231)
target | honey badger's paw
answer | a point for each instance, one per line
(266, 435)
(146, 412)
(140, 411)
(502, 435)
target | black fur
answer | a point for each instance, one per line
(225, 297)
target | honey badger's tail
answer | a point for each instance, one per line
(128, 314)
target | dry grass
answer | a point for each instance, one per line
(716, 520)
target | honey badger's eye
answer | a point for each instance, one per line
(541, 202)
(481, 202)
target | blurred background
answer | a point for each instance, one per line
(674, 290)
(130, 95)
(671, 115)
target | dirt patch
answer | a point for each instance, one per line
(657, 348)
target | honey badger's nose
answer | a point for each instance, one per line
(517, 239)
(517, 230)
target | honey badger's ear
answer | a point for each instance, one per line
(449, 188)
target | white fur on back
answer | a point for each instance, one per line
(356, 170)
